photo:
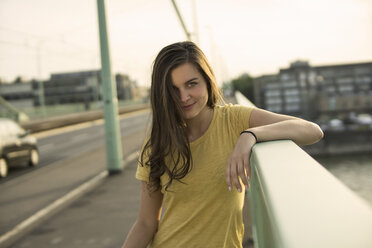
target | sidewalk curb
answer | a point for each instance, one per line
(26, 226)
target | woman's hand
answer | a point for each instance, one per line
(266, 126)
(238, 162)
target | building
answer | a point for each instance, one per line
(343, 89)
(316, 92)
(73, 87)
(64, 88)
(19, 95)
(125, 87)
(84, 87)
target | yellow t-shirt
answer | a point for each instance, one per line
(201, 212)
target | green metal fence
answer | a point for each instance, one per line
(295, 202)
(34, 113)
(8, 111)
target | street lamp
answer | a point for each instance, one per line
(40, 82)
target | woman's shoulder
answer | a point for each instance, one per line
(235, 115)
(232, 108)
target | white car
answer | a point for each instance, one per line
(16, 146)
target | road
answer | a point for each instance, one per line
(68, 157)
(69, 142)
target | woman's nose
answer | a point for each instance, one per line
(184, 96)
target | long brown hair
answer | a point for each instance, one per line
(168, 142)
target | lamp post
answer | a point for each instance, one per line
(41, 95)
(110, 100)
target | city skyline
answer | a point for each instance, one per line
(41, 37)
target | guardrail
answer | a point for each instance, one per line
(11, 111)
(60, 121)
(242, 100)
(295, 202)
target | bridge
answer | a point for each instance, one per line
(71, 200)
(293, 201)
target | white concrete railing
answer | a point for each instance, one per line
(296, 203)
(11, 111)
(242, 100)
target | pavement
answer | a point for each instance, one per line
(100, 218)
(71, 203)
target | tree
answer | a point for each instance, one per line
(18, 80)
(244, 84)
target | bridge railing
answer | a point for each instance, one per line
(8, 111)
(295, 202)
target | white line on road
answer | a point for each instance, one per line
(25, 226)
(70, 128)
(131, 157)
(46, 212)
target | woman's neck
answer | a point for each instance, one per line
(197, 126)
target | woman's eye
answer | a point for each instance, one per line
(191, 84)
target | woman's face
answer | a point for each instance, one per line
(192, 90)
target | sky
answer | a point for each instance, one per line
(40, 37)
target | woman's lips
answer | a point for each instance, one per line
(188, 107)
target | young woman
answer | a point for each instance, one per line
(196, 160)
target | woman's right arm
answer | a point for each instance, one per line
(147, 222)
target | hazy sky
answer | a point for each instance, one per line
(253, 36)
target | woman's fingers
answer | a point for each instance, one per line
(235, 176)
(236, 169)
(232, 177)
(248, 169)
(238, 165)
(243, 173)
(228, 174)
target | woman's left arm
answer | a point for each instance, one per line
(271, 126)
(267, 126)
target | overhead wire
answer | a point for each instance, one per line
(47, 39)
